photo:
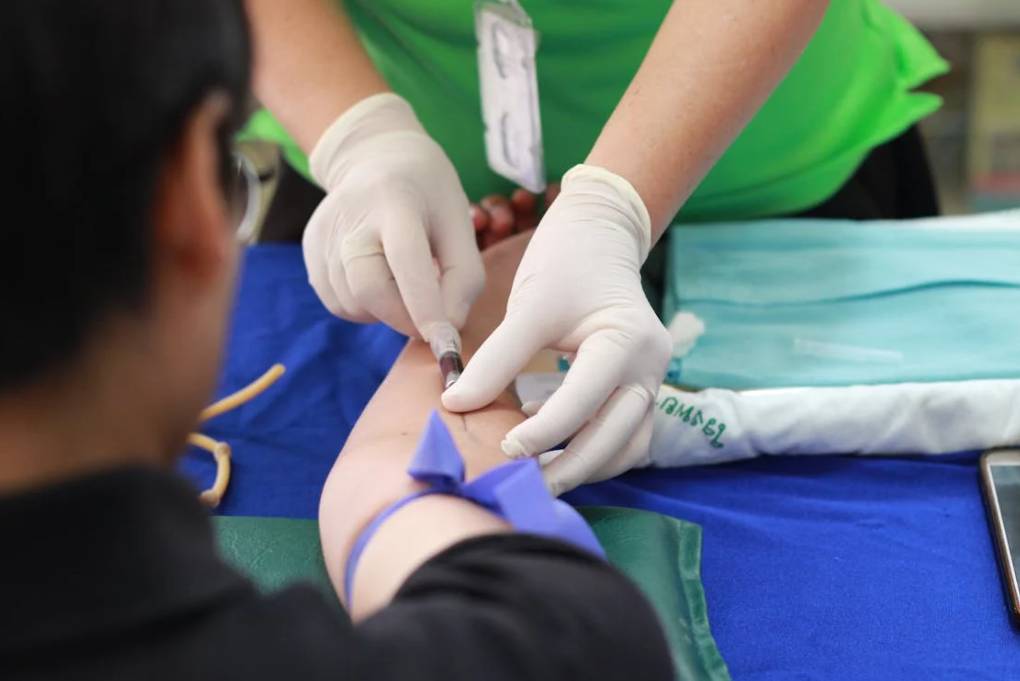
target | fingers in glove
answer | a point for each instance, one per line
(318, 277)
(611, 443)
(589, 382)
(409, 256)
(373, 286)
(322, 259)
(461, 283)
(502, 356)
(462, 272)
(635, 454)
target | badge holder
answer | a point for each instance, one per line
(507, 43)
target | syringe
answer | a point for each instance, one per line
(445, 345)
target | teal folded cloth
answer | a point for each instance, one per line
(837, 302)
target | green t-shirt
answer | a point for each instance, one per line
(849, 92)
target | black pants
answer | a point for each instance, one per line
(893, 182)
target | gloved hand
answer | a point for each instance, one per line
(578, 288)
(393, 203)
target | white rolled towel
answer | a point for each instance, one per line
(713, 426)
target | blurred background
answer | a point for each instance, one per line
(974, 139)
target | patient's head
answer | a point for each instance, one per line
(117, 252)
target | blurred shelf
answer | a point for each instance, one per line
(957, 15)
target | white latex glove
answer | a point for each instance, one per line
(578, 289)
(393, 203)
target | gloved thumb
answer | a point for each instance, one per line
(498, 361)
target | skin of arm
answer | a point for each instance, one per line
(370, 472)
(711, 66)
(309, 64)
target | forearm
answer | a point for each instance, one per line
(712, 65)
(309, 65)
(370, 472)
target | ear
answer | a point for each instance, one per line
(191, 213)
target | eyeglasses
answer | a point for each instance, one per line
(245, 196)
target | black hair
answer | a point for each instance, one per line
(93, 93)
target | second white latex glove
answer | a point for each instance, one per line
(578, 289)
(394, 210)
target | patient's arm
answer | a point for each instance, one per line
(371, 470)
(500, 607)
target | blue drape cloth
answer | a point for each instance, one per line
(814, 568)
(836, 302)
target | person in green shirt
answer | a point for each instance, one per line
(651, 111)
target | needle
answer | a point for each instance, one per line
(445, 345)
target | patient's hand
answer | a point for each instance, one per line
(497, 217)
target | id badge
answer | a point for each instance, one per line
(509, 88)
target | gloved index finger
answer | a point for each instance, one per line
(496, 363)
(589, 382)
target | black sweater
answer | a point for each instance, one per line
(117, 577)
